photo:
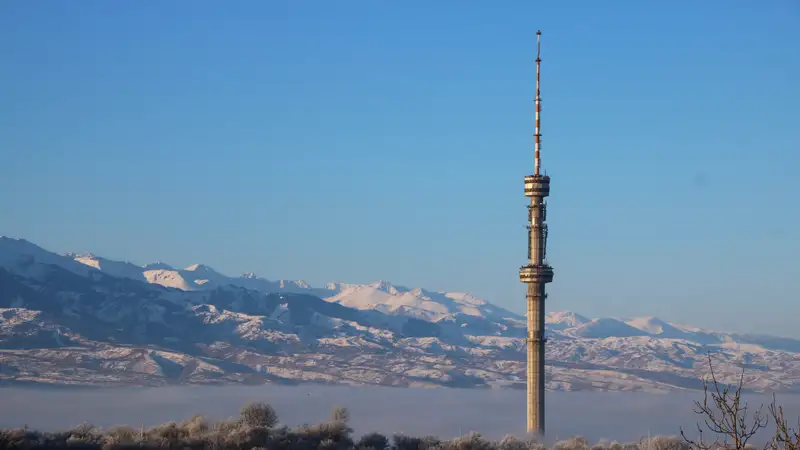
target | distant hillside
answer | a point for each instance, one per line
(85, 319)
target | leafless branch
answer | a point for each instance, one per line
(785, 437)
(726, 416)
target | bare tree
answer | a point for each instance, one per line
(725, 416)
(785, 437)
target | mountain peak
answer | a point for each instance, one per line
(384, 286)
(655, 326)
(200, 268)
(564, 319)
(605, 328)
(284, 284)
(158, 265)
(75, 255)
(465, 298)
(20, 255)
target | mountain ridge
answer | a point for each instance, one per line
(85, 319)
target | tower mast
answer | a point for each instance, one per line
(537, 135)
(537, 272)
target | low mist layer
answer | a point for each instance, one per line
(440, 412)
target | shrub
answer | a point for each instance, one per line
(573, 443)
(122, 435)
(340, 414)
(374, 441)
(259, 415)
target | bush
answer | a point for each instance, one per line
(373, 441)
(259, 415)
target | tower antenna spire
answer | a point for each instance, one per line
(537, 134)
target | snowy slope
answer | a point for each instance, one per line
(193, 278)
(657, 327)
(26, 258)
(560, 320)
(380, 296)
(137, 333)
(123, 269)
(84, 319)
(605, 328)
(420, 303)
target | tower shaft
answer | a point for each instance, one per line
(535, 403)
(536, 274)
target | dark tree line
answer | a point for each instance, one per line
(257, 428)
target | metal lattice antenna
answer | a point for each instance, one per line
(537, 134)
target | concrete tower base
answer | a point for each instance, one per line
(536, 342)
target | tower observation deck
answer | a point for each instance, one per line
(537, 273)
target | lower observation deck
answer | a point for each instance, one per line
(536, 273)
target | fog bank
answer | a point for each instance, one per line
(441, 412)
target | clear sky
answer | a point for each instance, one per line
(360, 140)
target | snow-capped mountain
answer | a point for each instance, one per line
(193, 278)
(560, 320)
(116, 268)
(84, 319)
(605, 327)
(380, 296)
(432, 306)
(26, 258)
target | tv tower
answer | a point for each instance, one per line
(537, 272)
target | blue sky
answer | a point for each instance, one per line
(358, 141)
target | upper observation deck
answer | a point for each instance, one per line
(537, 186)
